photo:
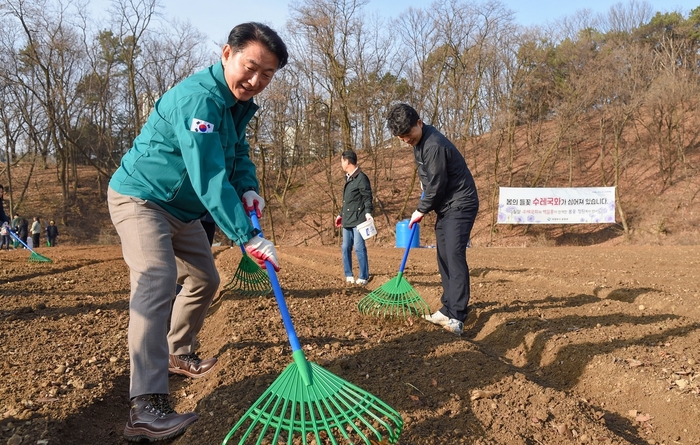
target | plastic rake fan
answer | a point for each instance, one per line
(396, 298)
(308, 404)
(250, 280)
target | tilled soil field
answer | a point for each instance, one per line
(591, 345)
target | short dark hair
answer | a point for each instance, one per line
(245, 33)
(402, 117)
(350, 156)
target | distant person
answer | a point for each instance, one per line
(198, 130)
(51, 234)
(14, 226)
(22, 228)
(5, 228)
(5, 238)
(449, 191)
(36, 232)
(3, 216)
(357, 208)
(15, 223)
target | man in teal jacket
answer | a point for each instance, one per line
(191, 158)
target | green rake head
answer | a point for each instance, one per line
(327, 411)
(250, 280)
(396, 298)
(36, 258)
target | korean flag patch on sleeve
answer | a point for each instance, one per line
(200, 126)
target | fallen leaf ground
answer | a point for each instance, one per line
(571, 345)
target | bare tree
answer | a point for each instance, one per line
(626, 17)
(672, 98)
(46, 62)
(330, 28)
(623, 73)
(133, 18)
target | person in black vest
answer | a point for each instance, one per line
(450, 192)
(357, 208)
(51, 233)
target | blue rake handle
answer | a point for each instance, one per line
(297, 353)
(408, 248)
(410, 241)
(20, 240)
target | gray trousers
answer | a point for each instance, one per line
(161, 252)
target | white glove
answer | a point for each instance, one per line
(262, 250)
(252, 200)
(368, 217)
(415, 218)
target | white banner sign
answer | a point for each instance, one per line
(579, 205)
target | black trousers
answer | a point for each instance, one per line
(452, 231)
(210, 229)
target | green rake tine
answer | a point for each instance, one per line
(357, 416)
(256, 420)
(325, 422)
(249, 280)
(396, 297)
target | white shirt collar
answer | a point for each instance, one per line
(347, 175)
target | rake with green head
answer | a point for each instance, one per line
(250, 280)
(34, 257)
(307, 403)
(396, 298)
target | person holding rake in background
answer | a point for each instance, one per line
(190, 158)
(51, 234)
(450, 192)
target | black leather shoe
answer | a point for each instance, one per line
(152, 418)
(190, 365)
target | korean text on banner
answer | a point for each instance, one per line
(577, 205)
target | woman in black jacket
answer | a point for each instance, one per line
(23, 229)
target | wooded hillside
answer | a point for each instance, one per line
(595, 100)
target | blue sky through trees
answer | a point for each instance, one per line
(217, 17)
